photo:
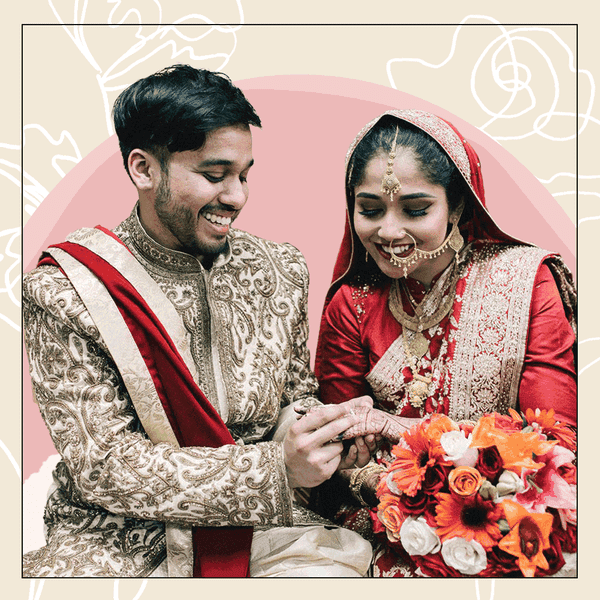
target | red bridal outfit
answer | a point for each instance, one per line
(506, 341)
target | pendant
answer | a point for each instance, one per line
(418, 390)
(419, 345)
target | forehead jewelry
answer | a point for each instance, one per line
(390, 183)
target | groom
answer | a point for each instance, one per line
(169, 361)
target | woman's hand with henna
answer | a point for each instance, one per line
(372, 421)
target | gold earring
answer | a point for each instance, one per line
(456, 240)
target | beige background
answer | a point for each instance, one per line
(66, 94)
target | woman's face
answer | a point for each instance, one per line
(419, 209)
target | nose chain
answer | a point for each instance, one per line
(454, 240)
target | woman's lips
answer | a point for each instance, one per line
(399, 250)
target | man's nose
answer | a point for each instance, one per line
(235, 195)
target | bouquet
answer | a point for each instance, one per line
(496, 498)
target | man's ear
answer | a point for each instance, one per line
(144, 169)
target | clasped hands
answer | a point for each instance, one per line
(313, 448)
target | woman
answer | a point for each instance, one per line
(433, 309)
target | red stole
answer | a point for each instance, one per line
(218, 551)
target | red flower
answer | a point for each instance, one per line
(565, 531)
(413, 505)
(501, 564)
(433, 565)
(489, 464)
(554, 556)
(471, 518)
(436, 478)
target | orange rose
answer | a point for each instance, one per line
(465, 481)
(390, 516)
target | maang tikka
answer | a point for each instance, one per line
(390, 184)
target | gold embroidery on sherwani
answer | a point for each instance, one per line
(127, 356)
(114, 482)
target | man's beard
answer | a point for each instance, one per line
(181, 222)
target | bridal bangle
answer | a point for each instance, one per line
(359, 476)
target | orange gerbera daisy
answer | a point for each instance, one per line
(471, 518)
(412, 462)
(529, 536)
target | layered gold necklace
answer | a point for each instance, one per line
(429, 312)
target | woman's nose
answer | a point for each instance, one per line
(391, 229)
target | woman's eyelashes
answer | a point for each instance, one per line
(416, 212)
(369, 212)
(375, 212)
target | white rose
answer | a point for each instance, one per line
(509, 483)
(469, 558)
(456, 447)
(418, 538)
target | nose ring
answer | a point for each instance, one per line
(405, 261)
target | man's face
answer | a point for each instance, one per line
(203, 192)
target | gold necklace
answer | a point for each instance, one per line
(443, 294)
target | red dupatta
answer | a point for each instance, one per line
(218, 551)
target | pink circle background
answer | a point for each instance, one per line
(297, 191)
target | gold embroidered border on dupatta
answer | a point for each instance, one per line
(492, 330)
(127, 357)
(484, 372)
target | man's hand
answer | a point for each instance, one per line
(311, 448)
(311, 451)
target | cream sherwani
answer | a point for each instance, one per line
(124, 495)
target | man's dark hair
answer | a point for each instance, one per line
(173, 110)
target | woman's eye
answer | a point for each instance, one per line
(368, 212)
(214, 178)
(416, 212)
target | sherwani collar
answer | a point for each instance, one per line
(159, 255)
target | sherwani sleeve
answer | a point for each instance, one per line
(343, 362)
(549, 379)
(301, 388)
(111, 461)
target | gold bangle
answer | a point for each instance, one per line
(359, 476)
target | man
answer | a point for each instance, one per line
(169, 361)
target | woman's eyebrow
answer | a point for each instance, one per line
(368, 195)
(416, 195)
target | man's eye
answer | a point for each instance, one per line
(214, 178)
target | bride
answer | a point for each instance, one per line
(433, 309)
